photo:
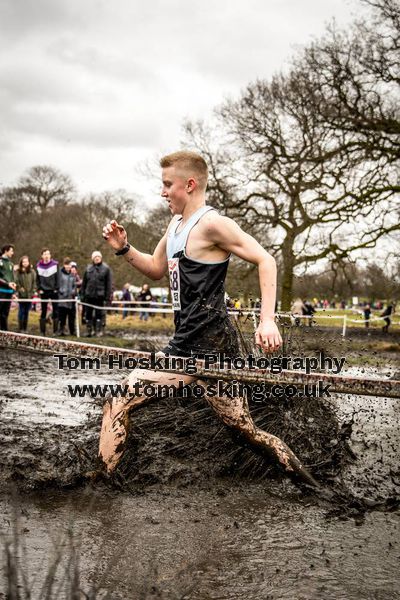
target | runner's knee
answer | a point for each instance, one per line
(234, 412)
(145, 376)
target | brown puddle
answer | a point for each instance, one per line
(228, 542)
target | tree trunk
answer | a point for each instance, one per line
(287, 275)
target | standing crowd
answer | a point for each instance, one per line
(307, 309)
(56, 288)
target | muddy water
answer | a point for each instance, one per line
(221, 537)
(226, 543)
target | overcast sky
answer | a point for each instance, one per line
(94, 87)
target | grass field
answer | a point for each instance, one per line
(360, 346)
(164, 323)
(158, 324)
(335, 318)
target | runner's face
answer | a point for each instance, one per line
(174, 190)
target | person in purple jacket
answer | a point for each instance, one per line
(48, 283)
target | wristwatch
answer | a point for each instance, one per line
(123, 250)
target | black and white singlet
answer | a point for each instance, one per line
(202, 324)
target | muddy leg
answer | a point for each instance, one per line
(235, 413)
(114, 428)
(115, 425)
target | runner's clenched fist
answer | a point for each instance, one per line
(115, 235)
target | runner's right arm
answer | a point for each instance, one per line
(153, 265)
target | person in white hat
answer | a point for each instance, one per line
(96, 292)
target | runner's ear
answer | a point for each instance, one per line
(191, 185)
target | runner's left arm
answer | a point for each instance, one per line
(153, 265)
(227, 234)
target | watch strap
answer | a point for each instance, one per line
(123, 250)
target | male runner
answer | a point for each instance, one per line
(195, 250)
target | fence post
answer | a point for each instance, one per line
(77, 325)
(344, 326)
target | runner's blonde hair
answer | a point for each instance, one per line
(189, 163)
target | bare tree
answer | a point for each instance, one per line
(353, 78)
(44, 186)
(116, 204)
(15, 215)
(280, 170)
(341, 281)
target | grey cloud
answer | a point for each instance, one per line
(21, 18)
(256, 40)
(37, 84)
(84, 127)
(96, 74)
(113, 64)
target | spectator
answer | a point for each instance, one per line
(126, 297)
(309, 312)
(367, 314)
(7, 284)
(78, 278)
(67, 291)
(144, 297)
(96, 291)
(298, 309)
(48, 281)
(387, 314)
(25, 278)
(230, 303)
(237, 304)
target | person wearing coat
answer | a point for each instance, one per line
(387, 313)
(48, 281)
(145, 297)
(67, 291)
(297, 309)
(96, 292)
(25, 279)
(7, 284)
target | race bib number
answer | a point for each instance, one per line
(174, 281)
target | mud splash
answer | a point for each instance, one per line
(48, 438)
